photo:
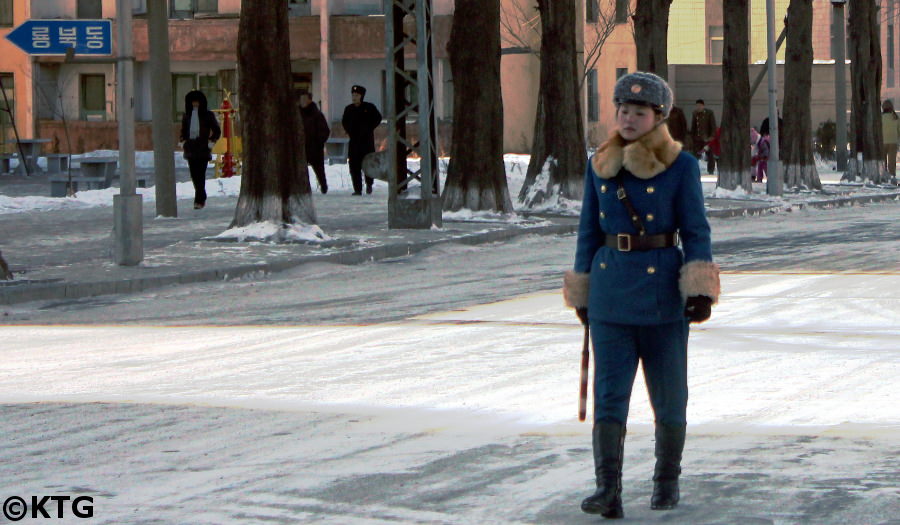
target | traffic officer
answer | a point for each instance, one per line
(636, 288)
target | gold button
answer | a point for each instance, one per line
(603, 188)
(602, 266)
(650, 189)
(651, 270)
(650, 217)
(602, 215)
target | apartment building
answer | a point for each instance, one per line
(15, 75)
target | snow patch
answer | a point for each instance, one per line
(271, 232)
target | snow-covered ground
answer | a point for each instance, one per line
(463, 416)
(338, 174)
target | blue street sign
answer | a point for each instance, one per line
(54, 37)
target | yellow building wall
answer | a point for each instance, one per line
(14, 60)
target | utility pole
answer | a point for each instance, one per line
(774, 184)
(161, 98)
(405, 211)
(127, 207)
(840, 85)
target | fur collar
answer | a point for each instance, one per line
(646, 157)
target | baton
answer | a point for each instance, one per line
(585, 359)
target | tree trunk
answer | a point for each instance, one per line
(651, 32)
(275, 184)
(476, 177)
(797, 155)
(5, 274)
(865, 79)
(558, 155)
(734, 140)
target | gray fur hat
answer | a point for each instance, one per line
(644, 89)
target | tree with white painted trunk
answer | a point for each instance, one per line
(651, 30)
(476, 176)
(799, 166)
(558, 154)
(865, 81)
(734, 164)
(275, 185)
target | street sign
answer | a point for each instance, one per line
(55, 37)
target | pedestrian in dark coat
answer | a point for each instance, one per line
(703, 128)
(677, 124)
(360, 120)
(199, 131)
(636, 288)
(316, 133)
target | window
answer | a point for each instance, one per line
(93, 97)
(189, 8)
(7, 81)
(89, 9)
(622, 8)
(299, 8)
(182, 84)
(593, 103)
(716, 44)
(209, 86)
(590, 11)
(6, 13)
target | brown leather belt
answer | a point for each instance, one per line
(626, 242)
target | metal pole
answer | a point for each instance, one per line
(840, 86)
(161, 99)
(774, 184)
(325, 60)
(127, 208)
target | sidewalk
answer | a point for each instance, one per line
(65, 253)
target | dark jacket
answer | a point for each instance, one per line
(209, 128)
(677, 124)
(316, 133)
(642, 287)
(360, 123)
(703, 127)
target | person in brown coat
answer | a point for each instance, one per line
(703, 129)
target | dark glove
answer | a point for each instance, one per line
(582, 315)
(698, 308)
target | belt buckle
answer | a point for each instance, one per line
(623, 246)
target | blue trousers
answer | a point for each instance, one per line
(662, 350)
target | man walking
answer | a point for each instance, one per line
(703, 129)
(316, 132)
(360, 120)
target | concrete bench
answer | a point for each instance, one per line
(99, 167)
(57, 163)
(336, 150)
(5, 163)
(58, 184)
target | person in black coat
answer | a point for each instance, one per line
(677, 124)
(199, 130)
(360, 120)
(316, 133)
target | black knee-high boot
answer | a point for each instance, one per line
(669, 445)
(609, 447)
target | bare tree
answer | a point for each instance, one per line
(651, 32)
(865, 80)
(275, 185)
(734, 166)
(598, 33)
(797, 153)
(558, 153)
(476, 177)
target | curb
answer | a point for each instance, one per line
(61, 290)
(825, 204)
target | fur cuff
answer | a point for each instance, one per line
(575, 289)
(700, 278)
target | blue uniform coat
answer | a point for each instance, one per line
(642, 287)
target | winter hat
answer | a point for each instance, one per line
(644, 89)
(358, 89)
